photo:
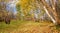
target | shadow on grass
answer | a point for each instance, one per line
(57, 27)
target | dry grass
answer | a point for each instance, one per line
(29, 27)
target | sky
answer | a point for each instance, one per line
(11, 6)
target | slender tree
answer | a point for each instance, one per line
(51, 9)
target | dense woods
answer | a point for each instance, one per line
(31, 9)
(38, 8)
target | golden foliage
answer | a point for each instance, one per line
(26, 5)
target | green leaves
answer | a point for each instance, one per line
(18, 7)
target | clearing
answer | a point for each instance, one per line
(17, 26)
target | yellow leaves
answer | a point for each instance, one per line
(27, 5)
(24, 3)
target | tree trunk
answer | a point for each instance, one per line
(52, 10)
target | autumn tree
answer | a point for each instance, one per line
(51, 8)
(30, 8)
(4, 15)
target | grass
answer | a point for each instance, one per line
(57, 27)
(17, 26)
(9, 27)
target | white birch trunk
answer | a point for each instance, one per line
(49, 15)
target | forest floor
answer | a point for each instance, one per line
(29, 27)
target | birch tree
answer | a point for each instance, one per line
(51, 9)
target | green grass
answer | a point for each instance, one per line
(58, 27)
(9, 27)
(6, 28)
(18, 26)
